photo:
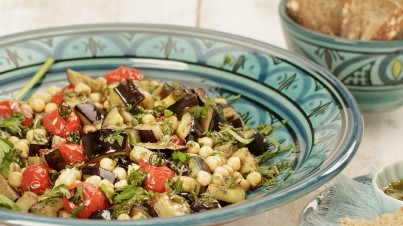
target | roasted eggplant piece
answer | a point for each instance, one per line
(163, 90)
(212, 119)
(54, 159)
(7, 190)
(75, 77)
(184, 104)
(48, 207)
(149, 132)
(196, 164)
(88, 113)
(206, 201)
(88, 171)
(126, 93)
(165, 206)
(113, 119)
(100, 143)
(201, 95)
(188, 128)
(105, 214)
(229, 195)
(258, 146)
(141, 211)
(34, 148)
(122, 161)
(231, 115)
(27, 200)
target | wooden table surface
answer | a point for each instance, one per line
(257, 19)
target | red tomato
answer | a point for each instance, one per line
(177, 140)
(58, 97)
(72, 153)
(9, 107)
(122, 73)
(93, 199)
(36, 178)
(156, 176)
(55, 124)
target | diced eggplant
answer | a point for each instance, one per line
(54, 159)
(34, 148)
(236, 121)
(163, 90)
(196, 164)
(231, 115)
(7, 190)
(27, 200)
(188, 128)
(133, 136)
(126, 93)
(122, 161)
(105, 214)
(113, 119)
(48, 207)
(184, 104)
(149, 132)
(201, 95)
(195, 132)
(258, 146)
(141, 211)
(100, 143)
(75, 77)
(230, 195)
(205, 201)
(127, 117)
(88, 113)
(88, 171)
(165, 206)
(33, 160)
(212, 120)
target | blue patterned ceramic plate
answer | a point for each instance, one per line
(323, 118)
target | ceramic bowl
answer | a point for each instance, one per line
(323, 119)
(385, 176)
(372, 70)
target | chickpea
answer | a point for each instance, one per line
(50, 107)
(254, 178)
(205, 141)
(107, 164)
(82, 88)
(38, 105)
(204, 178)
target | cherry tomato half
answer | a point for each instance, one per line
(93, 199)
(72, 153)
(156, 176)
(122, 73)
(36, 179)
(59, 97)
(177, 140)
(9, 107)
(55, 124)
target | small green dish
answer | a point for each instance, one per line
(371, 70)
